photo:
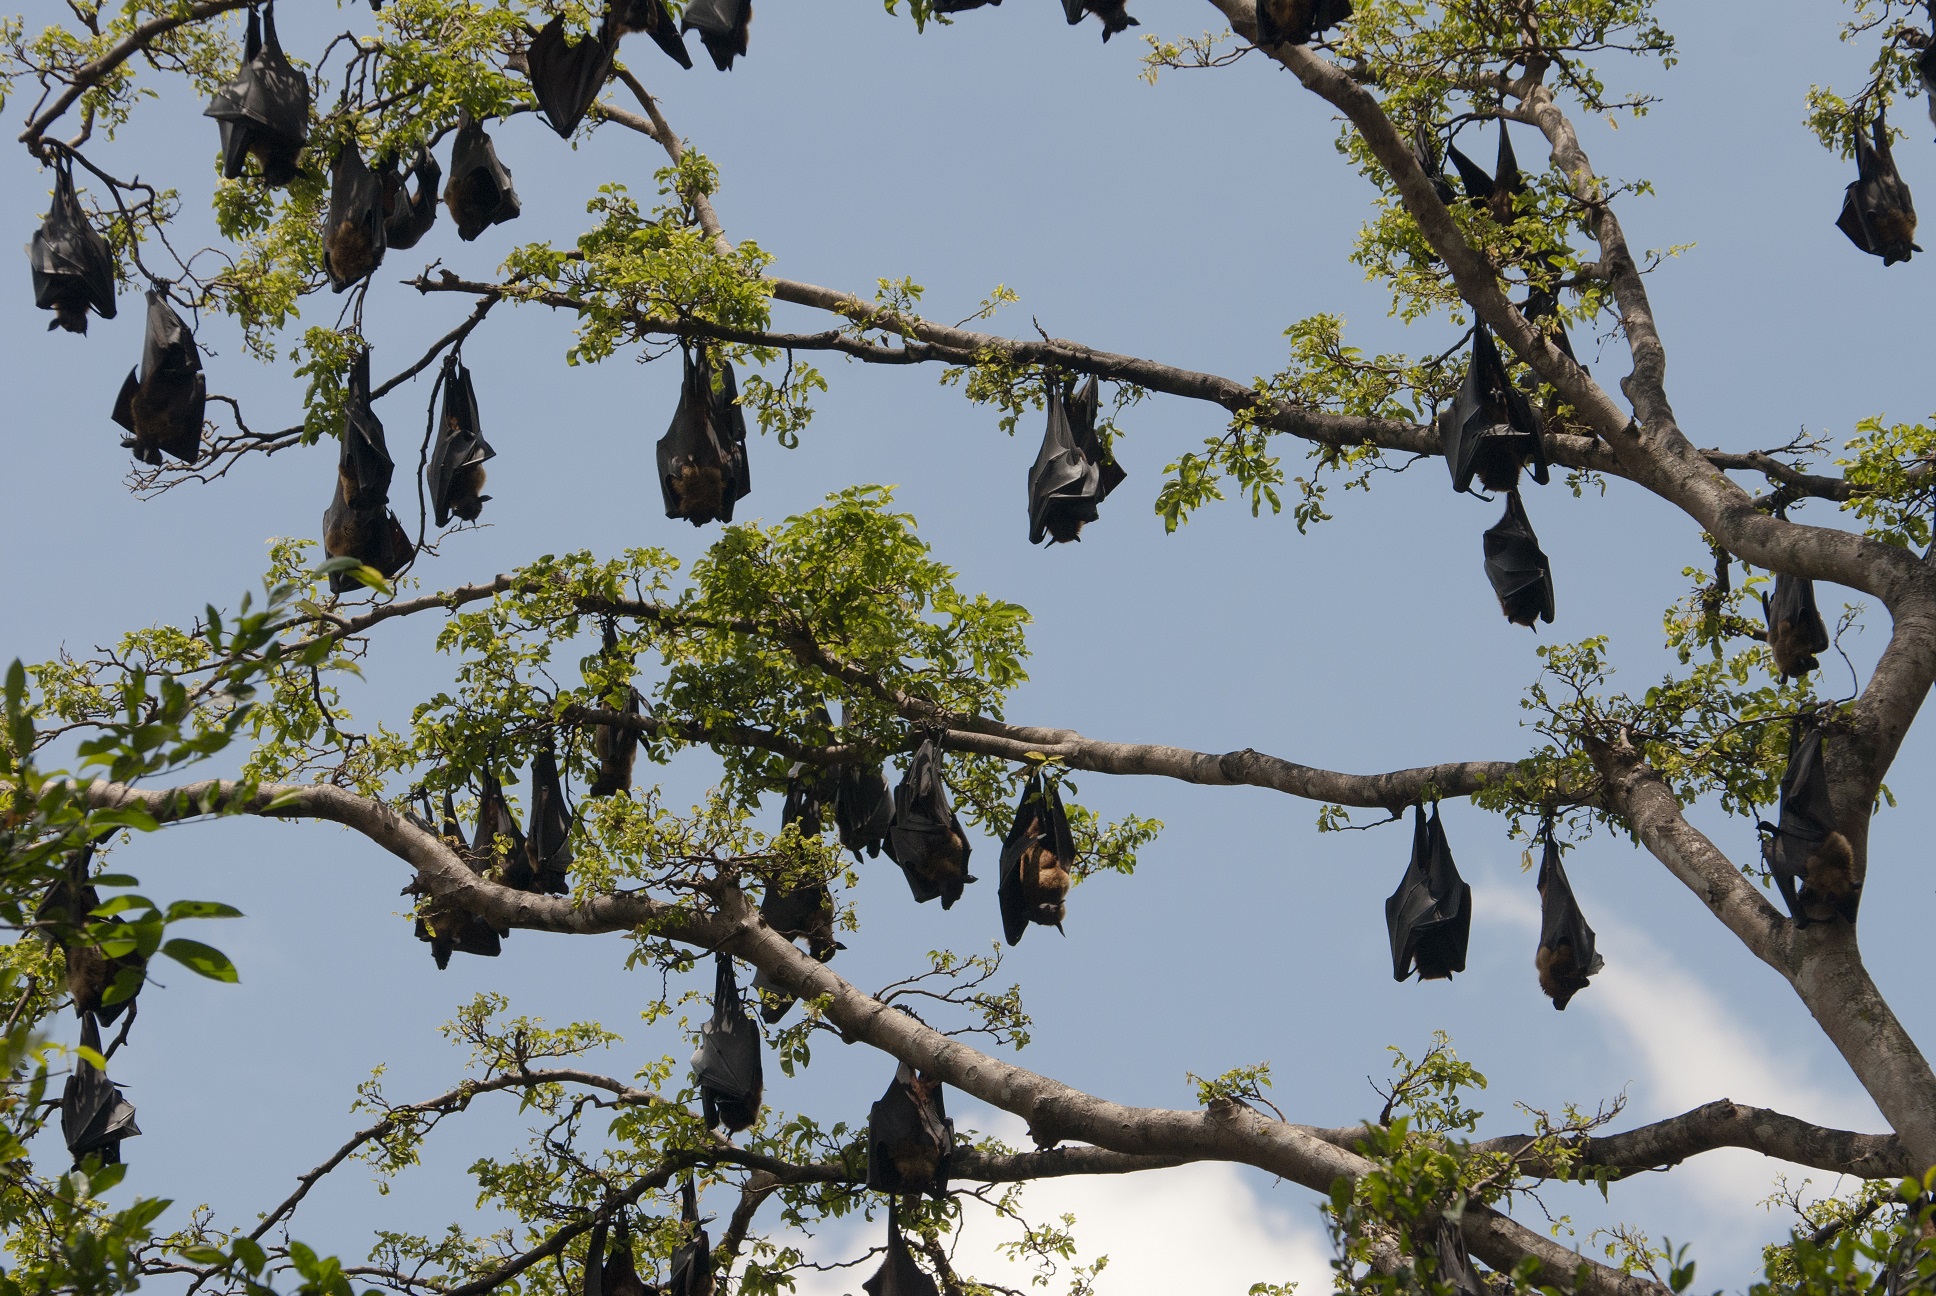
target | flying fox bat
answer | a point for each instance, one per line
(692, 1264)
(1877, 214)
(618, 1273)
(615, 748)
(479, 193)
(898, 1274)
(910, 1139)
(1497, 191)
(702, 456)
(64, 913)
(358, 523)
(457, 460)
(1455, 1263)
(1517, 567)
(1074, 471)
(1037, 857)
(654, 19)
(925, 838)
(1795, 629)
(1813, 863)
(726, 1066)
(1926, 73)
(1543, 304)
(1111, 12)
(1297, 22)
(407, 216)
(1425, 149)
(353, 232)
(450, 930)
(510, 862)
(1430, 915)
(549, 844)
(162, 402)
(804, 912)
(863, 808)
(264, 112)
(958, 6)
(1566, 956)
(94, 1115)
(721, 25)
(566, 75)
(1492, 430)
(73, 268)
(808, 790)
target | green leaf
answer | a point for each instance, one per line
(203, 959)
(181, 909)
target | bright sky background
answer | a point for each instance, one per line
(1190, 222)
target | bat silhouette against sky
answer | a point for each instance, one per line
(958, 6)
(450, 929)
(863, 807)
(358, 523)
(499, 844)
(353, 231)
(1074, 471)
(73, 269)
(162, 402)
(702, 456)
(94, 1115)
(549, 842)
(1812, 862)
(264, 112)
(1926, 72)
(1795, 629)
(690, 1272)
(457, 460)
(910, 1139)
(1297, 22)
(1492, 430)
(1425, 150)
(1497, 191)
(654, 19)
(722, 26)
(407, 215)
(619, 1273)
(898, 1275)
(1877, 214)
(566, 74)
(1517, 567)
(479, 193)
(726, 1066)
(1037, 857)
(615, 748)
(1430, 915)
(925, 838)
(63, 915)
(1111, 12)
(1566, 956)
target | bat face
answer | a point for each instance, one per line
(1114, 19)
(163, 407)
(264, 112)
(726, 1066)
(1877, 214)
(1073, 472)
(655, 20)
(566, 75)
(863, 808)
(1037, 858)
(702, 456)
(1520, 574)
(456, 467)
(94, 1115)
(924, 837)
(910, 1139)
(1430, 915)
(1813, 863)
(353, 232)
(408, 216)
(1492, 430)
(722, 27)
(479, 194)
(1795, 628)
(1297, 22)
(1566, 956)
(73, 269)
(358, 523)
(549, 844)
(899, 1275)
(692, 1263)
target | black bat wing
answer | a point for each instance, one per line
(412, 214)
(863, 808)
(1009, 891)
(1520, 573)
(1441, 940)
(495, 820)
(355, 218)
(365, 455)
(1411, 904)
(924, 826)
(722, 28)
(1425, 150)
(461, 449)
(692, 444)
(1460, 428)
(1062, 483)
(1082, 411)
(1807, 816)
(73, 268)
(1506, 177)
(265, 109)
(727, 1063)
(1455, 1263)
(691, 1267)
(730, 421)
(480, 193)
(94, 1115)
(566, 75)
(654, 19)
(594, 1281)
(899, 1275)
(1478, 184)
(549, 842)
(1563, 926)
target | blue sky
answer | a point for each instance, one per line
(1190, 222)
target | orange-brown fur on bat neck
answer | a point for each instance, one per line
(1560, 974)
(1829, 882)
(467, 495)
(1788, 645)
(1045, 879)
(699, 491)
(352, 252)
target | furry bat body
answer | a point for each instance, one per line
(654, 19)
(73, 268)
(726, 1066)
(479, 194)
(408, 216)
(1877, 214)
(1429, 917)
(1566, 956)
(163, 401)
(1112, 13)
(910, 1140)
(1297, 22)
(358, 523)
(925, 838)
(457, 460)
(264, 112)
(1038, 857)
(1813, 863)
(722, 26)
(63, 915)
(1518, 568)
(702, 456)
(1795, 629)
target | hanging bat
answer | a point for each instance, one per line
(692, 1264)
(1795, 629)
(807, 793)
(1430, 915)
(910, 1140)
(407, 216)
(479, 193)
(1455, 1263)
(566, 75)
(1495, 192)
(1297, 22)
(549, 844)
(726, 1066)
(94, 1115)
(1876, 212)
(358, 523)
(958, 6)
(264, 112)
(655, 20)
(162, 402)
(354, 229)
(925, 838)
(448, 929)
(1813, 863)
(805, 912)
(1541, 305)
(1425, 150)
(615, 748)
(72, 265)
(594, 1280)
(1114, 19)
(457, 461)
(1037, 857)
(1566, 956)
(63, 915)
(1520, 574)
(863, 808)
(721, 25)
(702, 456)
(1491, 431)
(1926, 73)
(508, 864)
(898, 1274)
(619, 1274)
(1074, 471)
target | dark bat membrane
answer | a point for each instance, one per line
(1877, 214)
(509, 862)
(1517, 567)
(618, 1273)
(1074, 471)
(1492, 430)
(1926, 72)
(94, 1115)
(1430, 915)
(549, 843)
(1425, 150)
(1495, 192)
(1795, 629)
(1541, 306)
(1111, 12)
(448, 929)
(958, 6)
(721, 25)
(264, 111)
(358, 523)
(614, 747)
(1297, 22)
(1566, 956)
(1455, 1263)
(457, 460)
(1812, 862)
(1037, 857)
(63, 915)
(353, 232)
(898, 1274)
(162, 402)
(654, 19)
(726, 1066)
(72, 266)
(804, 912)
(702, 456)
(925, 838)
(691, 1269)
(863, 808)
(566, 75)
(910, 1140)
(479, 194)
(408, 216)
